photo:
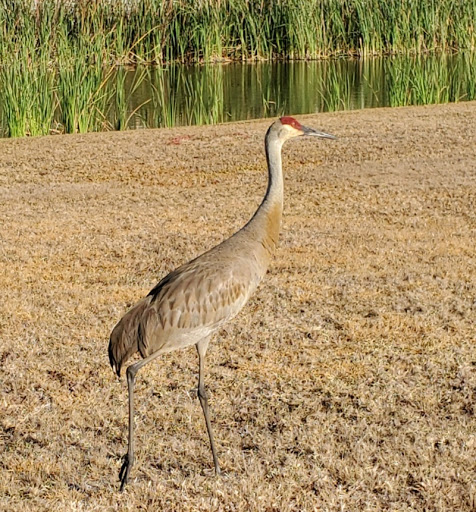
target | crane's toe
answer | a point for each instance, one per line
(125, 469)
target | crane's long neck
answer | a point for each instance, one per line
(266, 222)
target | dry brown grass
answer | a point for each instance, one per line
(349, 381)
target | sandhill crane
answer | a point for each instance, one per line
(191, 303)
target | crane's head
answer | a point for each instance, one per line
(287, 127)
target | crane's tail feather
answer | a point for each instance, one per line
(120, 348)
(124, 340)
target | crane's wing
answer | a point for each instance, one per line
(187, 305)
(193, 301)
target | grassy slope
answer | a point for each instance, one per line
(347, 383)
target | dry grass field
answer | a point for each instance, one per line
(348, 383)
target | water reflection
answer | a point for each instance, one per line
(179, 95)
(81, 97)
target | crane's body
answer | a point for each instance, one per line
(192, 302)
(196, 299)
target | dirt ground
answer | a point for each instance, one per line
(348, 383)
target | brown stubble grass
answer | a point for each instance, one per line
(347, 383)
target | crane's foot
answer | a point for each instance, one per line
(125, 469)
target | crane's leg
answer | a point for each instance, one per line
(129, 457)
(202, 346)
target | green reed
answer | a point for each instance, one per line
(411, 80)
(27, 103)
(56, 56)
(81, 95)
(160, 31)
(81, 83)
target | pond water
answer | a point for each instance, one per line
(180, 95)
(88, 98)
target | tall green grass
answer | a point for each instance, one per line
(81, 92)
(162, 31)
(57, 56)
(79, 96)
(418, 81)
(27, 102)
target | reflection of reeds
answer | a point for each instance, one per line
(81, 96)
(337, 88)
(123, 92)
(159, 31)
(163, 87)
(185, 96)
(204, 96)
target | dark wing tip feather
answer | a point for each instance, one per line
(115, 365)
(123, 342)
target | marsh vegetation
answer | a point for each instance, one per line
(38, 100)
(62, 62)
(161, 31)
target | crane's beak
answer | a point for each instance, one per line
(316, 133)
